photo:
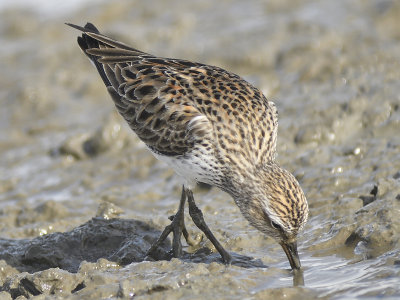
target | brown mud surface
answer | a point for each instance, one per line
(81, 198)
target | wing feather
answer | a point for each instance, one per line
(173, 104)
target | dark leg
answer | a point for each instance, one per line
(197, 217)
(189, 240)
(176, 226)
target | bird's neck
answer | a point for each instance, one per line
(248, 187)
(237, 186)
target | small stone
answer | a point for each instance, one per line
(108, 210)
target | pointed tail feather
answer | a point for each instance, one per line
(93, 32)
(86, 43)
(101, 49)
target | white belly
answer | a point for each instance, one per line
(193, 168)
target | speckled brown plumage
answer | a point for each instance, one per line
(209, 124)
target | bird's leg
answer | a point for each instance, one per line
(197, 217)
(177, 226)
(189, 240)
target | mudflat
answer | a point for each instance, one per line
(82, 199)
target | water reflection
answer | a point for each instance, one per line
(298, 277)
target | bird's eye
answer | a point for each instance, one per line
(276, 225)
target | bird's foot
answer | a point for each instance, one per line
(176, 227)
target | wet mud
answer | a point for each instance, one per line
(82, 199)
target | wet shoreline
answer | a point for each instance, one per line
(332, 69)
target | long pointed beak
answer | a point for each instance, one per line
(291, 253)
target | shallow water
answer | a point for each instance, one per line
(331, 67)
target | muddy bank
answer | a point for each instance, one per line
(65, 263)
(331, 67)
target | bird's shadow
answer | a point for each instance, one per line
(118, 240)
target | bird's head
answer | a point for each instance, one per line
(275, 204)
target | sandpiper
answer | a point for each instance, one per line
(210, 126)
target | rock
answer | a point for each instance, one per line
(122, 241)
